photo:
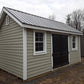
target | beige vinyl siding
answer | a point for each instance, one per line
(74, 54)
(11, 48)
(37, 64)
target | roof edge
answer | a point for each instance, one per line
(51, 30)
(8, 13)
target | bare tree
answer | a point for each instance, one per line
(68, 19)
(52, 17)
(75, 19)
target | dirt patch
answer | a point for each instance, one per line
(73, 74)
(7, 78)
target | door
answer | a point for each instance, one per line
(60, 50)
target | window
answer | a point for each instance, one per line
(7, 20)
(74, 43)
(39, 43)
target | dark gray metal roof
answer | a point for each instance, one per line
(30, 19)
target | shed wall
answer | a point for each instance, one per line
(37, 64)
(74, 55)
(11, 48)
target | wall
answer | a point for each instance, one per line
(37, 64)
(74, 55)
(11, 48)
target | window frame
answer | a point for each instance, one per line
(44, 44)
(7, 20)
(76, 44)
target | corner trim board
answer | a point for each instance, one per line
(24, 54)
(79, 48)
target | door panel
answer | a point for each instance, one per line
(60, 50)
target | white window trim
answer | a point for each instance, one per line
(7, 20)
(45, 45)
(76, 48)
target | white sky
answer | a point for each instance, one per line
(44, 8)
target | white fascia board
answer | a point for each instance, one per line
(51, 30)
(17, 21)
(24, 54)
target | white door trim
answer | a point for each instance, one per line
(69, 49)
(24, 54)
(51, 52)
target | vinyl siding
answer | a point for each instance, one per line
(74, 54)
(11, 48)
(37, 64)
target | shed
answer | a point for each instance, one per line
(31, 45)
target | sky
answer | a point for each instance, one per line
(45, 8)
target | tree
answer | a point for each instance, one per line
(75, 19)
(52, 17)
(68, 19)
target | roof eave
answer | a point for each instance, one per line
(51, 30)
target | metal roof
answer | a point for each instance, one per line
(29, 19)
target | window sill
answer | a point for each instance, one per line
(40, 53)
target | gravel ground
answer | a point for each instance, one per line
(73, 74)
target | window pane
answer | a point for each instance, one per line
(39, 36)
(74, 38)
(73, 45)
(39, 46)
